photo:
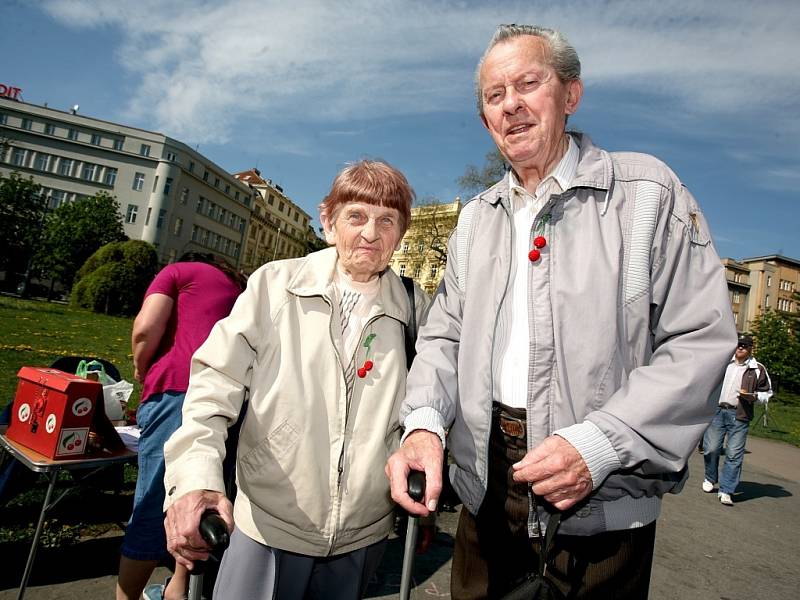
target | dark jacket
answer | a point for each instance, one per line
(757, 385)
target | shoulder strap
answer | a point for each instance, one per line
(411, 327)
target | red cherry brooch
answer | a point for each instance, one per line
(539, 241)
(368, 364)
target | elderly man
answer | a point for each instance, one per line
(569, 350)
(746, 382)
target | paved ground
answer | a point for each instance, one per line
(703, 549)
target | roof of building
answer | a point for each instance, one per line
(773, 257)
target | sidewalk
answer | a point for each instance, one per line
(703, 549)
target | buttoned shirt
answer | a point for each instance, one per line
(514, 337)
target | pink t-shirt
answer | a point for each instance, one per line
(203, 295)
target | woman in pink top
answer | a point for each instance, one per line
(180, 307)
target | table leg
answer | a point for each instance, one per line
(37, 534)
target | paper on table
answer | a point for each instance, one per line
(130, 436)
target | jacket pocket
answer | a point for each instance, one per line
(276, 445)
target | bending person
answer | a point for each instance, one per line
(316, 344)
(180, 307)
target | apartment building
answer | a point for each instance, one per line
(759, 284)
(423, 250)
(169, 194)
(278, 227)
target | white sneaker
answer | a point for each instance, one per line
(707, 486)
(725, 499)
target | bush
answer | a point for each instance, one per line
(113, 280)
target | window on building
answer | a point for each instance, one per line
(27, 124)
(223, 214)
(172, 255)
(184, 195)
(118, 144)
(736, 297)
(57, 198)
(191, 166)
(3, 119)
(130, 214)
(417, 271)
(155, 184)
(434, 271)
(147, 218)
(49, 129)
(88, 171)
(236, 196)
(96, 139)
(138, 182)
(19, 157)
(405, 247)
(420, 247)
(162, 213)
(769, 280)
(72, 134)
(65, 167)
(167, 186)
(200, 202)
(766, 301)
(205, 175)
(212, 210)
(42, 162)
(296, 216)
(216, 182)
(227, 188)
(172, 157)
(402, 269)
(271, 200)
(195, 230)
(110, 177)
(204, 236)
(144, 150)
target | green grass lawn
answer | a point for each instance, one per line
(35, 333)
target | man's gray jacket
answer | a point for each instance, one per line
(630, 329)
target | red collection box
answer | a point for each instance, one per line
(53, 412)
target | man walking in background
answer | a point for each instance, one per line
(746, 382)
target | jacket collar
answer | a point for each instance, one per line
(594, 170)
(750, 363)
(315, 278)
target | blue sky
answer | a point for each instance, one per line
(299, 89)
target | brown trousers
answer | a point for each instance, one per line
(493, 552)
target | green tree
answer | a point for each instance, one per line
(475, 180)
(777, 347)
(22, 207)
(114, 279)
(74, 231)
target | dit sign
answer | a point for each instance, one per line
(10, 92)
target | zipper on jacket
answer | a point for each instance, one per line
(336, 509)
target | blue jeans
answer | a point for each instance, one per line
(158, 418)
(725, 423)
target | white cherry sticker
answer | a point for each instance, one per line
(50, 423)
(81, 407)
(24, 412)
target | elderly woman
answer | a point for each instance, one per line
(317, 345)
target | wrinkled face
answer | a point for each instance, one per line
(524, 103)
(365, 237)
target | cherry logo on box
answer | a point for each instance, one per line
(50, 424)
(24, 412)
(81, 406)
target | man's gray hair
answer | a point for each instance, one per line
(563, 57)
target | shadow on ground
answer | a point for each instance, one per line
(750, 490)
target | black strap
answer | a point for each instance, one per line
(411, 327)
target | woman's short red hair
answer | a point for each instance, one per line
(371, 182)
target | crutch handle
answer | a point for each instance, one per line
(214, 531)
(416, 485)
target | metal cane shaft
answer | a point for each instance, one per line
(408, 558)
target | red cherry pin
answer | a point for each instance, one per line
(534, 255)
(539, 241)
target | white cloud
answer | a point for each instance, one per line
(206, 66)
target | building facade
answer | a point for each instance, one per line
(759, 284)
(422, 254)
(169, 194)
(278, 227)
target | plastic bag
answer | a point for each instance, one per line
(116, 398)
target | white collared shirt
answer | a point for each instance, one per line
(526, 207)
